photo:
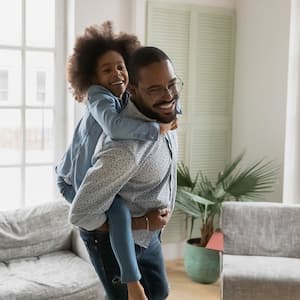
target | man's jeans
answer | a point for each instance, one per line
(150, 261)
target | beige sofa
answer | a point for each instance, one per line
(43, 257)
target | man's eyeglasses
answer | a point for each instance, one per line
(173, 89)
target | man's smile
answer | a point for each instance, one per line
(166, 106)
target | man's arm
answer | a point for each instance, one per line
(112, 170)
(157, 219)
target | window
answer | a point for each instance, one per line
(40, 86)
(31, 60)
(3, 85)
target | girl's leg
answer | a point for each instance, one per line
(120, 233)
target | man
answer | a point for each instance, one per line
(143, 173)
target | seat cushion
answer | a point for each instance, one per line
(35, 231)
(59, 275)
(260, 278)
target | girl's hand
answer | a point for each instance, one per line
(165, 127)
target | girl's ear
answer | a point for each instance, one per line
(132, 89)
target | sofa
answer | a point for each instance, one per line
(261, 258)
(43, 257)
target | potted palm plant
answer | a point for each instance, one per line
(202, 199)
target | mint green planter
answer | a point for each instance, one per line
(201, 264)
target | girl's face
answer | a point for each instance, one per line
(111, 73)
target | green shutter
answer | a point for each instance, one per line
(200, 42)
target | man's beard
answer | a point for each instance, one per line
(161, 118)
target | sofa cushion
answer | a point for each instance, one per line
(261, 228)
(260, 278)
(34, 231)
(58, 275)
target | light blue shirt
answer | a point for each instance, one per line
(102, 115)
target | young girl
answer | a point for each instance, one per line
(97, 72)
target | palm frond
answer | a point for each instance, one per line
(258, 178)
(184, 203)
(204, 187)
(184, 177)
(229, 169)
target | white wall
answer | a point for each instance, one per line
(83, 13)
(88, 12)
(261, 81)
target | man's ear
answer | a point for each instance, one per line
(132, 89)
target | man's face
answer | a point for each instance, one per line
(156, 94)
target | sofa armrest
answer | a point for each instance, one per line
(78, 246)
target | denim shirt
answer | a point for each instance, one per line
(102, 114)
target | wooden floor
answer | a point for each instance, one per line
(183, 288)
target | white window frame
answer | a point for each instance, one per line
(59, 93)
(5, 90)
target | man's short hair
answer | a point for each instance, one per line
(143, 57)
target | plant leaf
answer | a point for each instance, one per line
(195, 198)
(258, 178)
(185, 204)
(184, 177)
(229, 169)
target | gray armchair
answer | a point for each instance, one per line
(261, 259)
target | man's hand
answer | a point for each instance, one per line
(165, 127)
(158, 218)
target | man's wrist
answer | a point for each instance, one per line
(139, 223)
(147, 223)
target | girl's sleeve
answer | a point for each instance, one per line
(104, 110)
(66, 190)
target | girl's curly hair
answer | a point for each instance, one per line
(96, 41)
